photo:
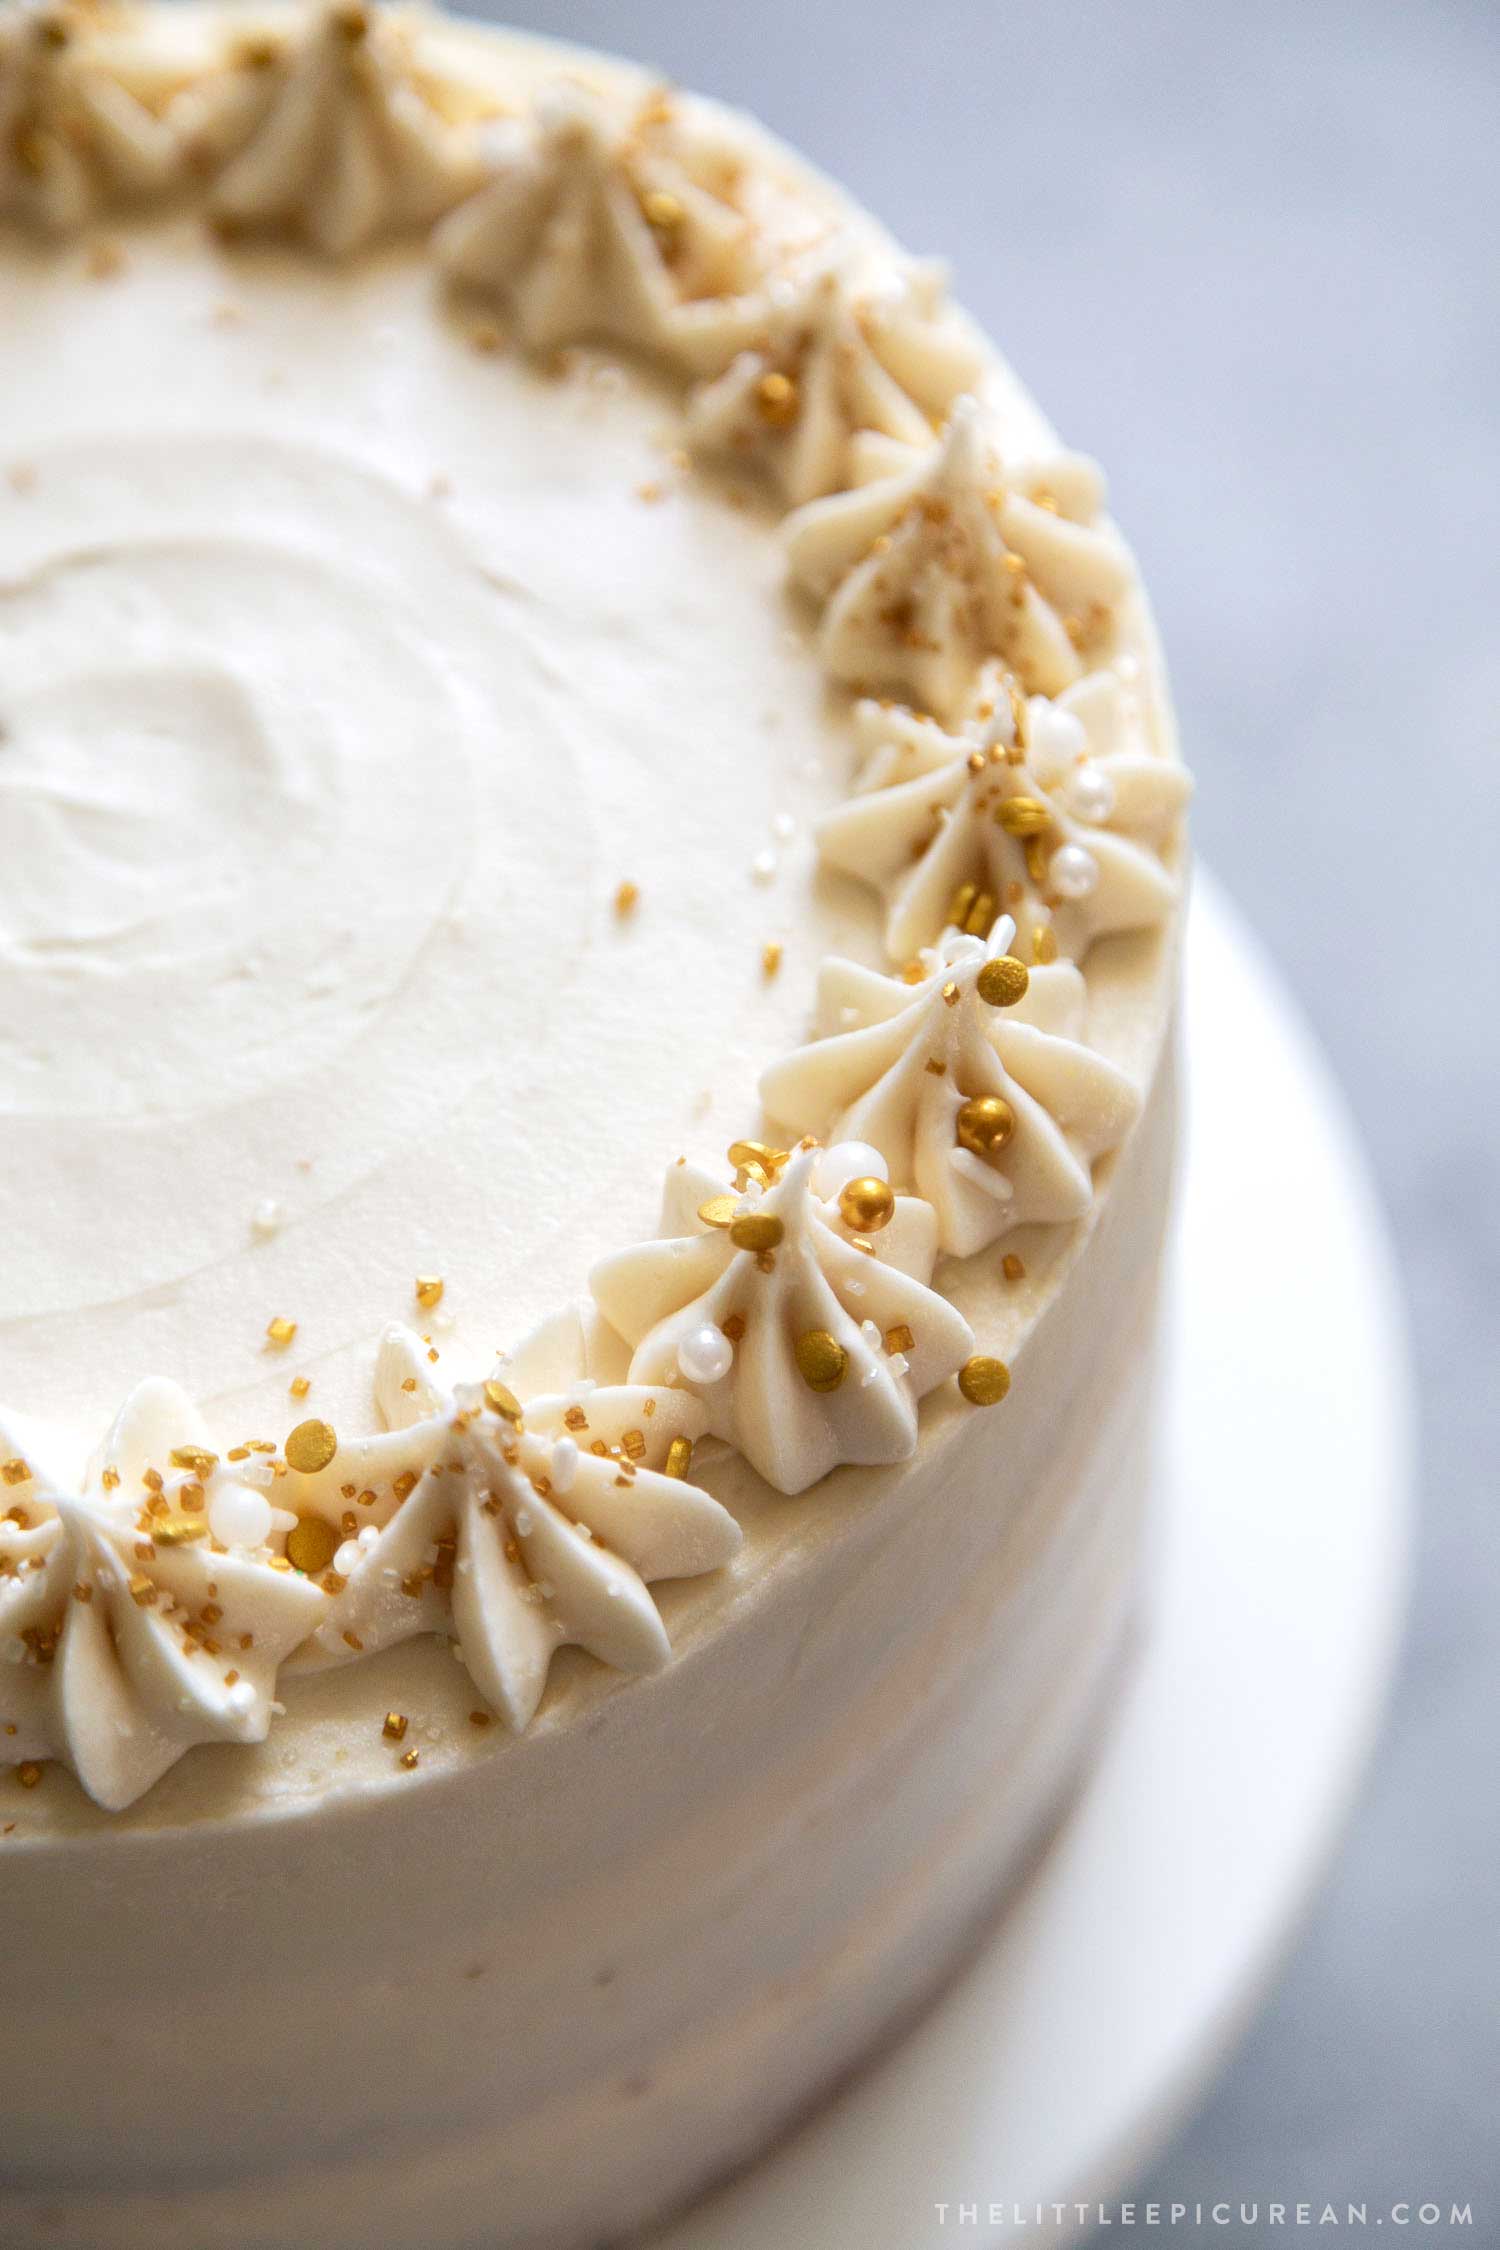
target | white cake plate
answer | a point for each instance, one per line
(1061, 2060)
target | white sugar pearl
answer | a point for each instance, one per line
(1061, 734)
(266, 1218)
(1091, 794)
(763, 867)
(238, 1517)
(346, 1558)
(564, 1464)
(241, 1697)
(1072, 871)
(846, 1161)
(705, 1354)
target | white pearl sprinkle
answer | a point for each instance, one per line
(1055, 734)
(783, 828)
(1072, 871)
(238, 1517)
(846, 1161)
(266, 1218)
(346, 1558)
(705, 1355)
(763, 867)
(1091, 794)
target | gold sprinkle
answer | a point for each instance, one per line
(394, 1729)
(1024, 816)
(310, 1447)
(178, 1531)
(950, 994)
(194, 1457)
(429, 1291)
(770, 957)
(1003, 981)
(142, 1592)
(1013, 1268)
(279, 1332)
(28, 1773)
(311, 1545)
(756, 1230)
(868, 1204)
(662, 211)
(961, 904)
(822, 1361)
(899, 1338)
(480, 1719)
(575, 1419)
(627, 898)
(409, 1759)
(633, 1445)
(776, 399)
(403, 1487)
(981, 914)
(679, 1457)
(16, 1471)
(984, 1382)
(110, 1480)
(985, 1123)
(734, 1327)
(1043, 945)
(719, 1210)
(352, 1640)
(299, 1386)
(755, 1156)
(502, 1400)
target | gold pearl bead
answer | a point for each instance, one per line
(867, 1204)
(776, 398)
(822, 1361)
(984, 1382)
(1003, 981)
(985, 1124)
(310, 1447)
(312, 1545)
(756, 1230)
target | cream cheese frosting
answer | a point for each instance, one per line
(427, 817)
(294, 936)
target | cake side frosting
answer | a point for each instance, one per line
(953, 569)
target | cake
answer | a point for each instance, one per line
(593, 859)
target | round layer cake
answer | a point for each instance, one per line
(593, 853)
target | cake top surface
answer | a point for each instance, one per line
(536, 650)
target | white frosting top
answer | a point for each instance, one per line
(408, 775)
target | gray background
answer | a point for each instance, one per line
(1248, 255)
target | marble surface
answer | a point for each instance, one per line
(1247, 255)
